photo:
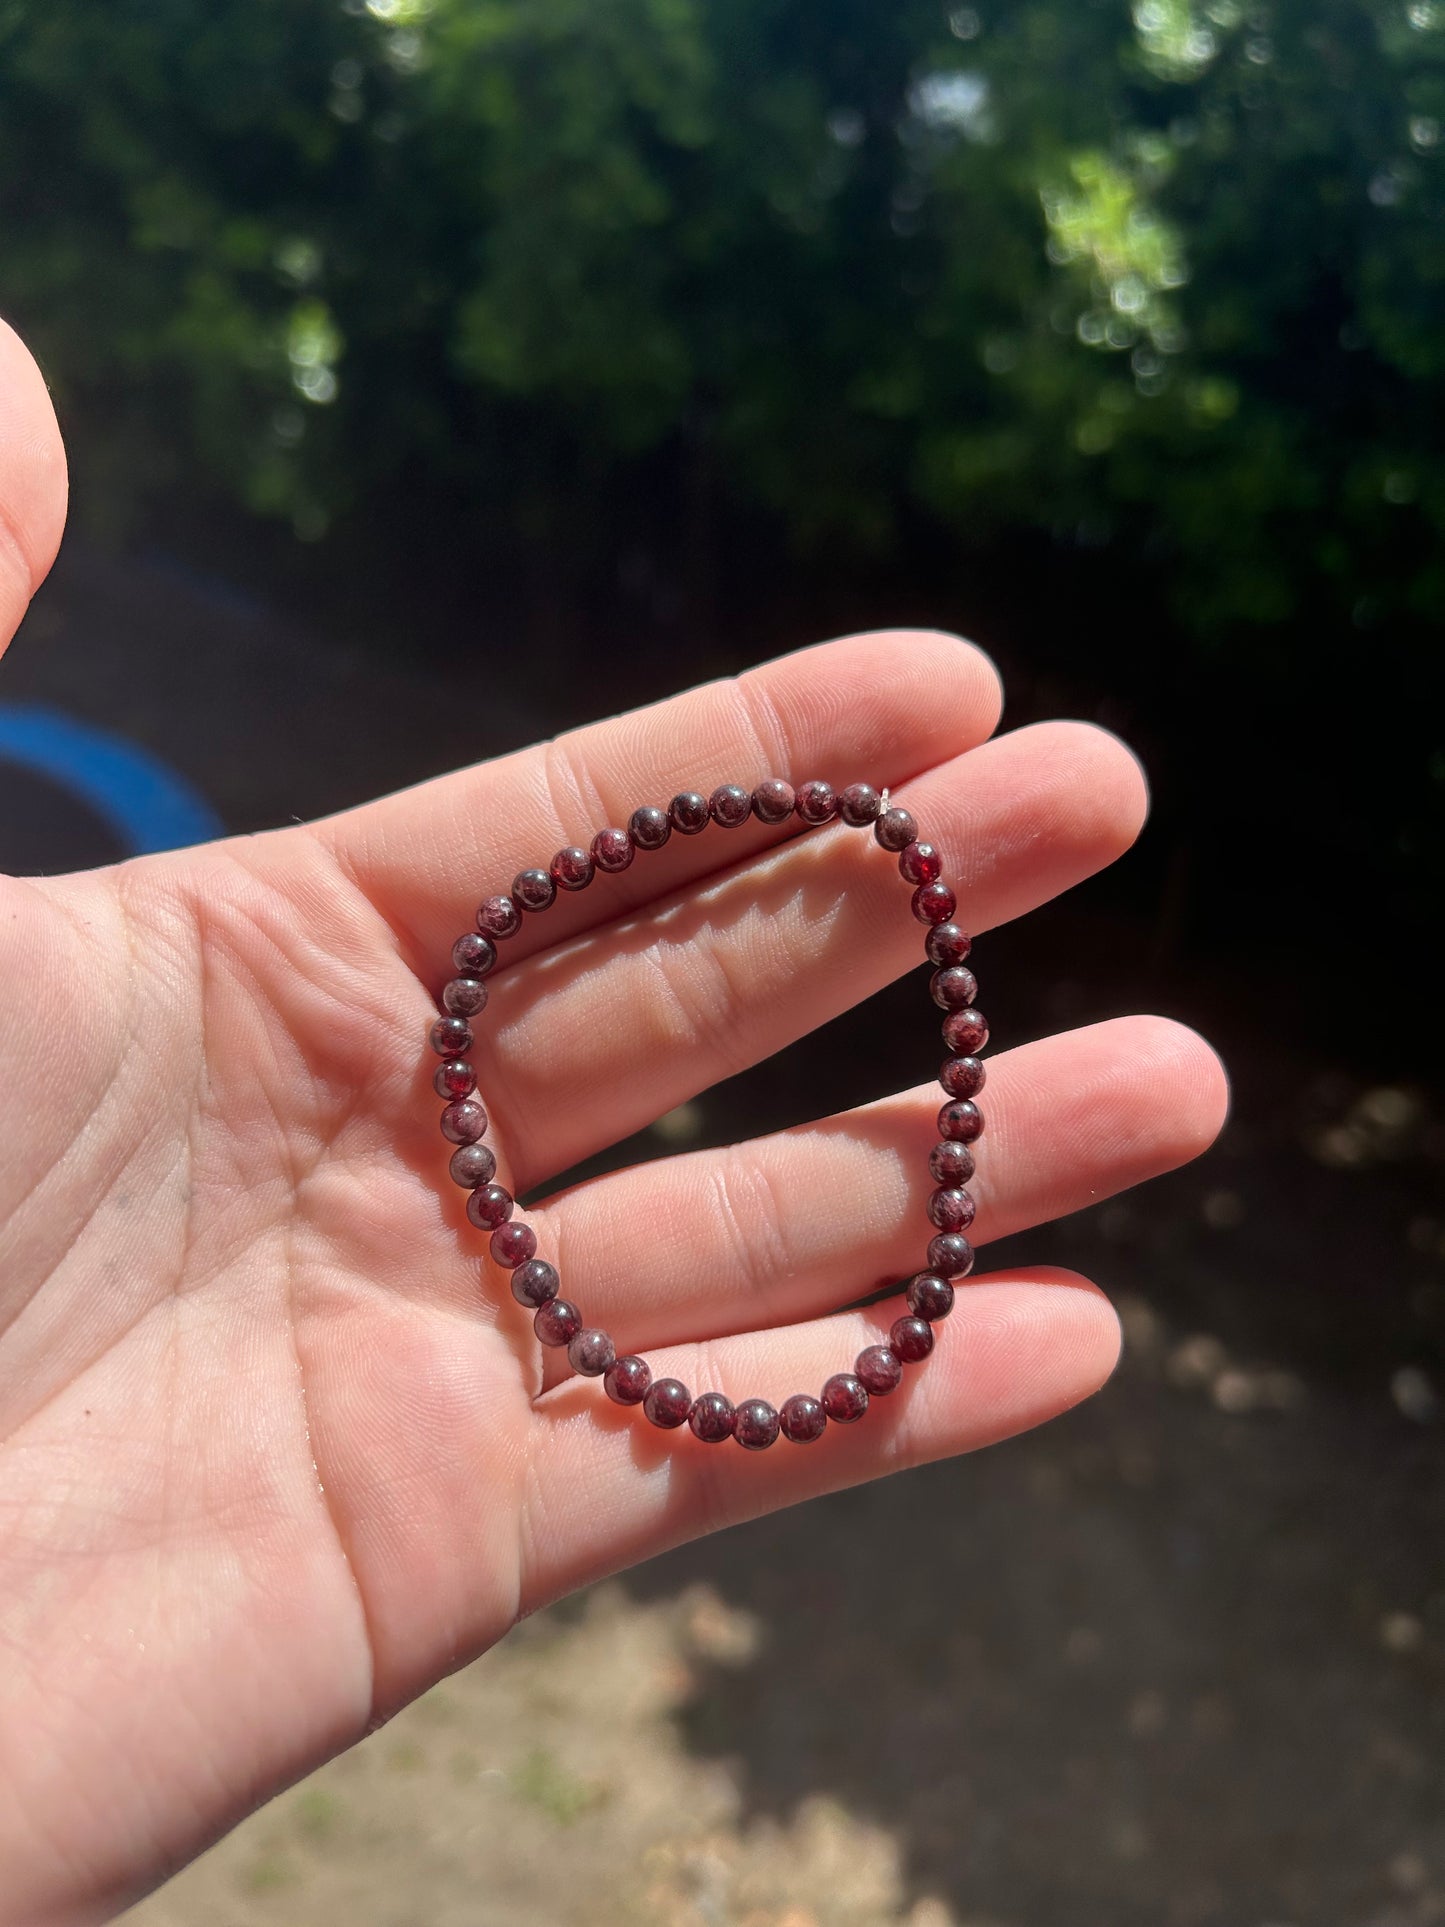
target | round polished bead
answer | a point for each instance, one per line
(535, 1282)
(950, 1163)
(773, 800)
(649, 827)
(464, 1122)
(966, 1031)
(860, 803)
(590, 1352)
(910, 1339)
(960, 1120)
(689, 812)
(950, 1254)
(712, 1418)
(757, 1425)
(513, 1244)
(879, 1369)
(929, 1296)
(802, 1418)
(490, 1205)
(533, 890)
(920, 863)
(454, 1078)
(626, 1380)
(451, 1036)
(845, 1398)
(730, 806)
(954, 988)
(966, 1076)
(473, 1164)
(474, 955)
(951, 1208)
(933, 903)
(465, 996)
(612, 850)
(571, 869)
(667, 1404)
(947, 944)
(557, 1323)
(816, 804)
(895, 830)
(499, 917)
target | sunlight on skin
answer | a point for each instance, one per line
(274, 1448)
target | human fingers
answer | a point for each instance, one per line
(32, 481)
(607, 1490)
(798, 1223)
(589, 1042)
(890, 703)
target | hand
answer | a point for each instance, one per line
(277, 1447)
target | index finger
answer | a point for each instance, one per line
(884, 706)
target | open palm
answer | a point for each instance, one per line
(277, 1446)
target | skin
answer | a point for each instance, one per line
(277, 1448)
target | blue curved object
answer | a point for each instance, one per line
(146, 804)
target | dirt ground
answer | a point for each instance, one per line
(1174, 1661)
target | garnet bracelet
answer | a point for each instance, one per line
(628, 1380)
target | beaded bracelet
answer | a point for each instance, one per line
(628, 1380)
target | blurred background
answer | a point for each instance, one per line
(440, 373)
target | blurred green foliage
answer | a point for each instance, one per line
(1168, 277)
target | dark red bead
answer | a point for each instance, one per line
(951, 1255)
(860, 803)
(473, 1164)
(533, 890)
(879, 1369)
(454, 1078)
(954, 988)
(571, 869)
(950, 1162)
(590, 1352)
(920, 863)
(689, 812)
(451, 1036)
(626, 1380)
(895, 830)
(773, 800)
(612, 850)
(712, 1418)
(911, 1339)
(929, 1296)
(557, 1323)
(966, 1076)
(816, 804)
(961, 1120)
(535, 1282)
(951, 1208)
(667, 1404)
(966, 1031)
(730, 806)
(845, 1398)
(757, 1425)
(465, 996)
(934, 903)
(499, 917)
(649, 827)
(474, 955)
(947, 944)
(513, 1244)
(802, 1418)
(464, 1122)
(489, 1205)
